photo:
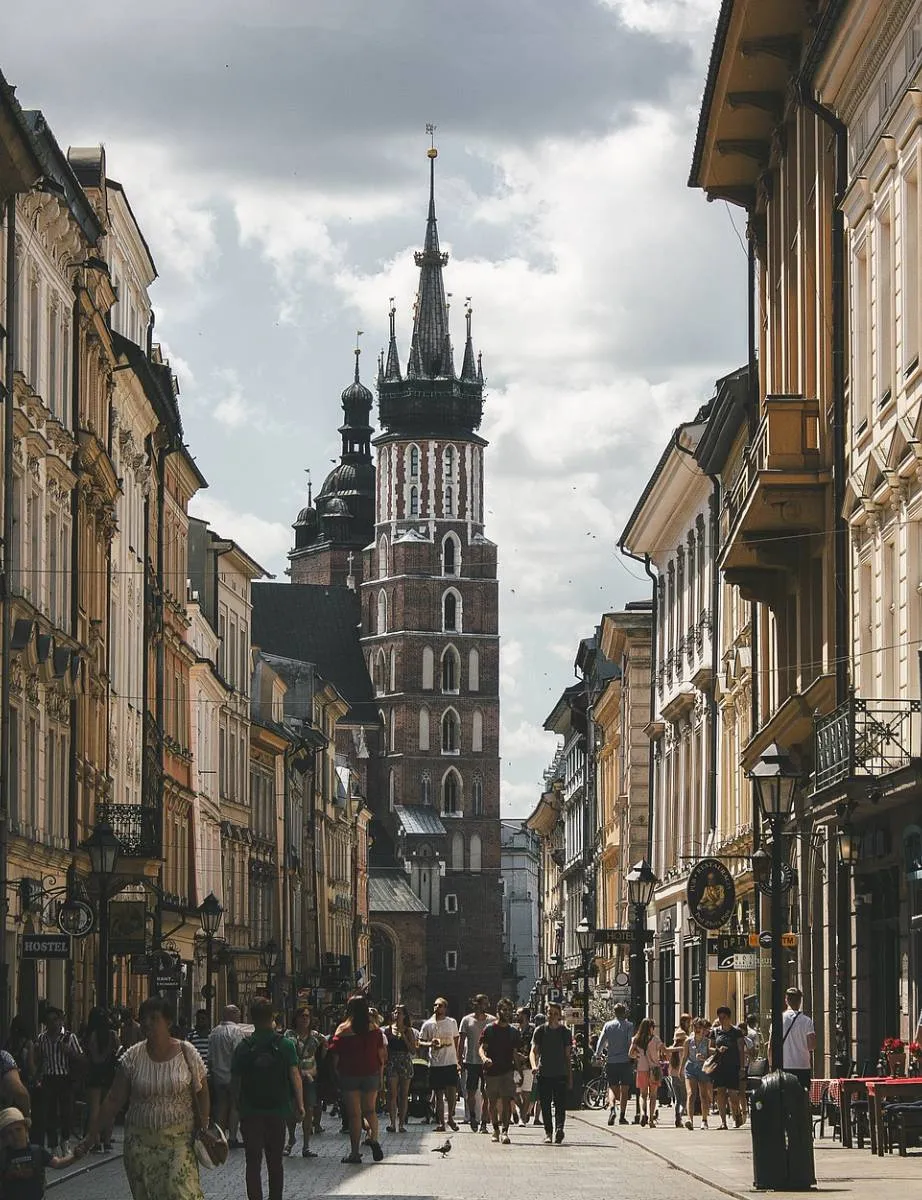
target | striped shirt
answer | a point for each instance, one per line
(53, 1052)
(200, 1042)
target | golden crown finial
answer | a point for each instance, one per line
(431, 152)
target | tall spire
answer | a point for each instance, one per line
(468, 366)
(392, 370)
(430, 324)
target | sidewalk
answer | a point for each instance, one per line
(723, 1159)
(56, 1178)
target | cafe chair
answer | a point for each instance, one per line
(902, 1125)
(826, 1110)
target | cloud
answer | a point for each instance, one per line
(265, 541)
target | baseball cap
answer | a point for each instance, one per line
(12, 1116)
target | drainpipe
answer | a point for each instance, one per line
(7, 587)
(651, 759)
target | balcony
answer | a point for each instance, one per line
(866, 740)
(137, 827)
(777, 496)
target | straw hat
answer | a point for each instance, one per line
(12, 1116)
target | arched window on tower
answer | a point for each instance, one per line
(477, 796)
(392, 789)
(477, 731)
(448, 482)
(382, 558)
(382, 612)
(473, 671)
(475, 852)
(393, 670)
(414, 501)
(428, 669)
(451, 611)
(451, 794)
(451, 670)
(392, 725)
(451, 554)
(380, 674)
(425, 789)
(414, 462)
(451, 732)
(424, 728)
(457, 852)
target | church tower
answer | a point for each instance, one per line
(332, 532)
(430, 636)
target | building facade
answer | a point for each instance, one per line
(520, 863)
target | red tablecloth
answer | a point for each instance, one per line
(818, 1086)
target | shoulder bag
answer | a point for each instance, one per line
(209, 1140)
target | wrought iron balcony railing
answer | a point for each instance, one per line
(866, 738)
(137, 827)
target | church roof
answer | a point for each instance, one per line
(391, 893)
(317, 623)
(419, 821)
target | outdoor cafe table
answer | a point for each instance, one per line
(877, 1088)
(899, 1087)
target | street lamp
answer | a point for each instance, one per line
(849, 849)
(103, 848)
(210, 912)
(270, 956)
(775, 777)
(641, 884)
(585, 939)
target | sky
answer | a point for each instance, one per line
(274, 153)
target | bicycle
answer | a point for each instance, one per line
(595, 1093)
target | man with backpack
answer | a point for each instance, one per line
(267, 1085)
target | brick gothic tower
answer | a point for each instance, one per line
(429, 608)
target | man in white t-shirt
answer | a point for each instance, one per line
(440, 1036)
(799, 1038)
(472, 1026)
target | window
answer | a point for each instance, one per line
(450, 732)
(451, 960)
(32, 771)
(451, 669)
(477, 796)
(393, 670)
(15, 780)
(392, 790)
(424, 729)
(382, 612)
(473, 671)
(414, 501)
(54, 333)
(428, 669)
(448, 480)
(475, 852)
(451, 903)
(451, 795)
(34, 335)
(457, 852)
(380, 674)
(861, 381)
(477, 731)
(392, 725)
(450, 555)
(382, 558)
(414, 462)
(450, 612)
(425, 790)
(884, 329)
(909, 262)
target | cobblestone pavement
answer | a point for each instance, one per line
(590, 1163)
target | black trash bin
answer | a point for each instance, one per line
(782, 1134)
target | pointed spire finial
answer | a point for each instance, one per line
(467, 367)
(429, 353)
(357, 352)
(307, 472)
(392, 369)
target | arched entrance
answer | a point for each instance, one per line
(383, 969)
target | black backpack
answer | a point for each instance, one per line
(263, 1068)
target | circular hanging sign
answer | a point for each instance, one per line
(711, 893)
(76, 917)
(787, 880)
(622, 979)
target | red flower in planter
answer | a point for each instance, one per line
(893, 1045)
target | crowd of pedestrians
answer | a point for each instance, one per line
(261, 1082)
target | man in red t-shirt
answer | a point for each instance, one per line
(500, 1045)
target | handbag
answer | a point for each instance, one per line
(656, 1074)
(209, 1141)
(709, 1066)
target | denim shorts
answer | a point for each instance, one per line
(359, 1083)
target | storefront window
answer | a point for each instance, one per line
(693, 978)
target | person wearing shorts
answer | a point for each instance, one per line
(500, 1046)
(440, 1036)
(470, 1029)
(615, 1042)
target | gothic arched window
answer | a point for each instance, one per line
(477, 796)
(414, 462)
(450, 555)
(451, 670)
(424, 728)
(414, 501)
(477, 730)
(428, 668)
(473, 671)
(451, 794)
(382, 612)
(475, 852)
(451, 611)
(451, 732)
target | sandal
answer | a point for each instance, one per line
(376, 1152)
(390, 1128)
(288, 1148)
(351, 1158)
(308, 1154)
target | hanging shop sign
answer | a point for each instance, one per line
(128, 926)
(711, 893)
(76, 918)
(45, 945)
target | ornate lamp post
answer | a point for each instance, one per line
(641, 884)
(775, 779)
(103, 848)
(849, 848)
(210, 912)
(585, 939)
(270, 957)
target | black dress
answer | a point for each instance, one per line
(727, 1074)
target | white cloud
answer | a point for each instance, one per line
(266, 541)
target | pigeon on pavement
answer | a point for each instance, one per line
(444, 1149)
